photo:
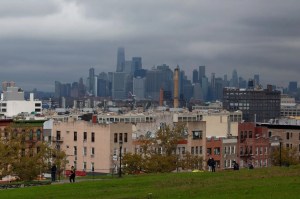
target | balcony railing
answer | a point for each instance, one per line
(57, 139)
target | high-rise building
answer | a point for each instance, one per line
(256, 80)
(139, 88)
(201, 72)
(128, 67)
(136, 63)
(119, 85)
(293, 86)
(195, 76)
(120, 59)
(92, 82)
(256, 105)
(161, 77)
(234, 82)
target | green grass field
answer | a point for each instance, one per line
(271, 183)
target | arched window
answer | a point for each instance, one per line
(38, 134)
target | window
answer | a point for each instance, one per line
(125, 137)
(75, 136)
(31, 135)
(242, 135)
(217, 151)
(115, 137)
(200, 152)
(183, 150)
(84, 166)
(261, 150)
(192, 150)
(84, 151)
(270, 134)
(250, 150)
(287, 135)
(92, 166)
(197, 135)
(93, 137)
(92, 151)
(196, 150)
(209, 151)
(225, 150)
(245, 134)
(84, 136)
(120, 137)
(58, 135)
(250, 134)
(266, 150)
(241, 151)
(75, 150)
(38, 134)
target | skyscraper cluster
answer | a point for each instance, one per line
(130, 79)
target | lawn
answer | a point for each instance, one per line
(272, 183)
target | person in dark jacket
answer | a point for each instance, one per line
(53, 173)
(72, 174)
(213, 165)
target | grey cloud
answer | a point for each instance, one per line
(63, 38)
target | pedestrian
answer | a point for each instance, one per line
(235, 166)
(209, 164)
(72, 174)
(53, 173)
(213, 165)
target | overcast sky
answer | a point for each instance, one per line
(46, 40)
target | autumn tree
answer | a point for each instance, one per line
(158, 153)
(285, 156)
(23, 155)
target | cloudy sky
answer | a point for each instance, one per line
(46, 40)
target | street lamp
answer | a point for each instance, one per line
(120, 157)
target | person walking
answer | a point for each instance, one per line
(213, 165)
(209, 164)
(53, 173)
(72, 174)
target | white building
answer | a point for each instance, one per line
(13, 103)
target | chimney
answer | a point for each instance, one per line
(176, 79)
(161, 96)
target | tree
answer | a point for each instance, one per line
(23, 155)
(285, 156)
(158, 154)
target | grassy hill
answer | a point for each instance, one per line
(272, 183)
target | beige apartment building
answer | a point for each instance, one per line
(92, 147)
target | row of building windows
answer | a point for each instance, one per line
(229, 150)
(196, 150)
(248, 150)
(84, 151)
(216, 151)
(120, 137)
(85, 136)
(245, 134)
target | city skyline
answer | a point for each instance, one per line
(61, 39)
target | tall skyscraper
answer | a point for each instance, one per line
(121, 59)
(293, 86)
(195, 76)
(234, 82)
(92, 81)
(136, 63)
(201, 72)
(256, 80)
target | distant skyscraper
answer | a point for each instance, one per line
(121, 59)
(293, 86)
(256, 80)
(195, 76)
(201, 72)
(234, 82)
(92, 81)
(136, 63)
